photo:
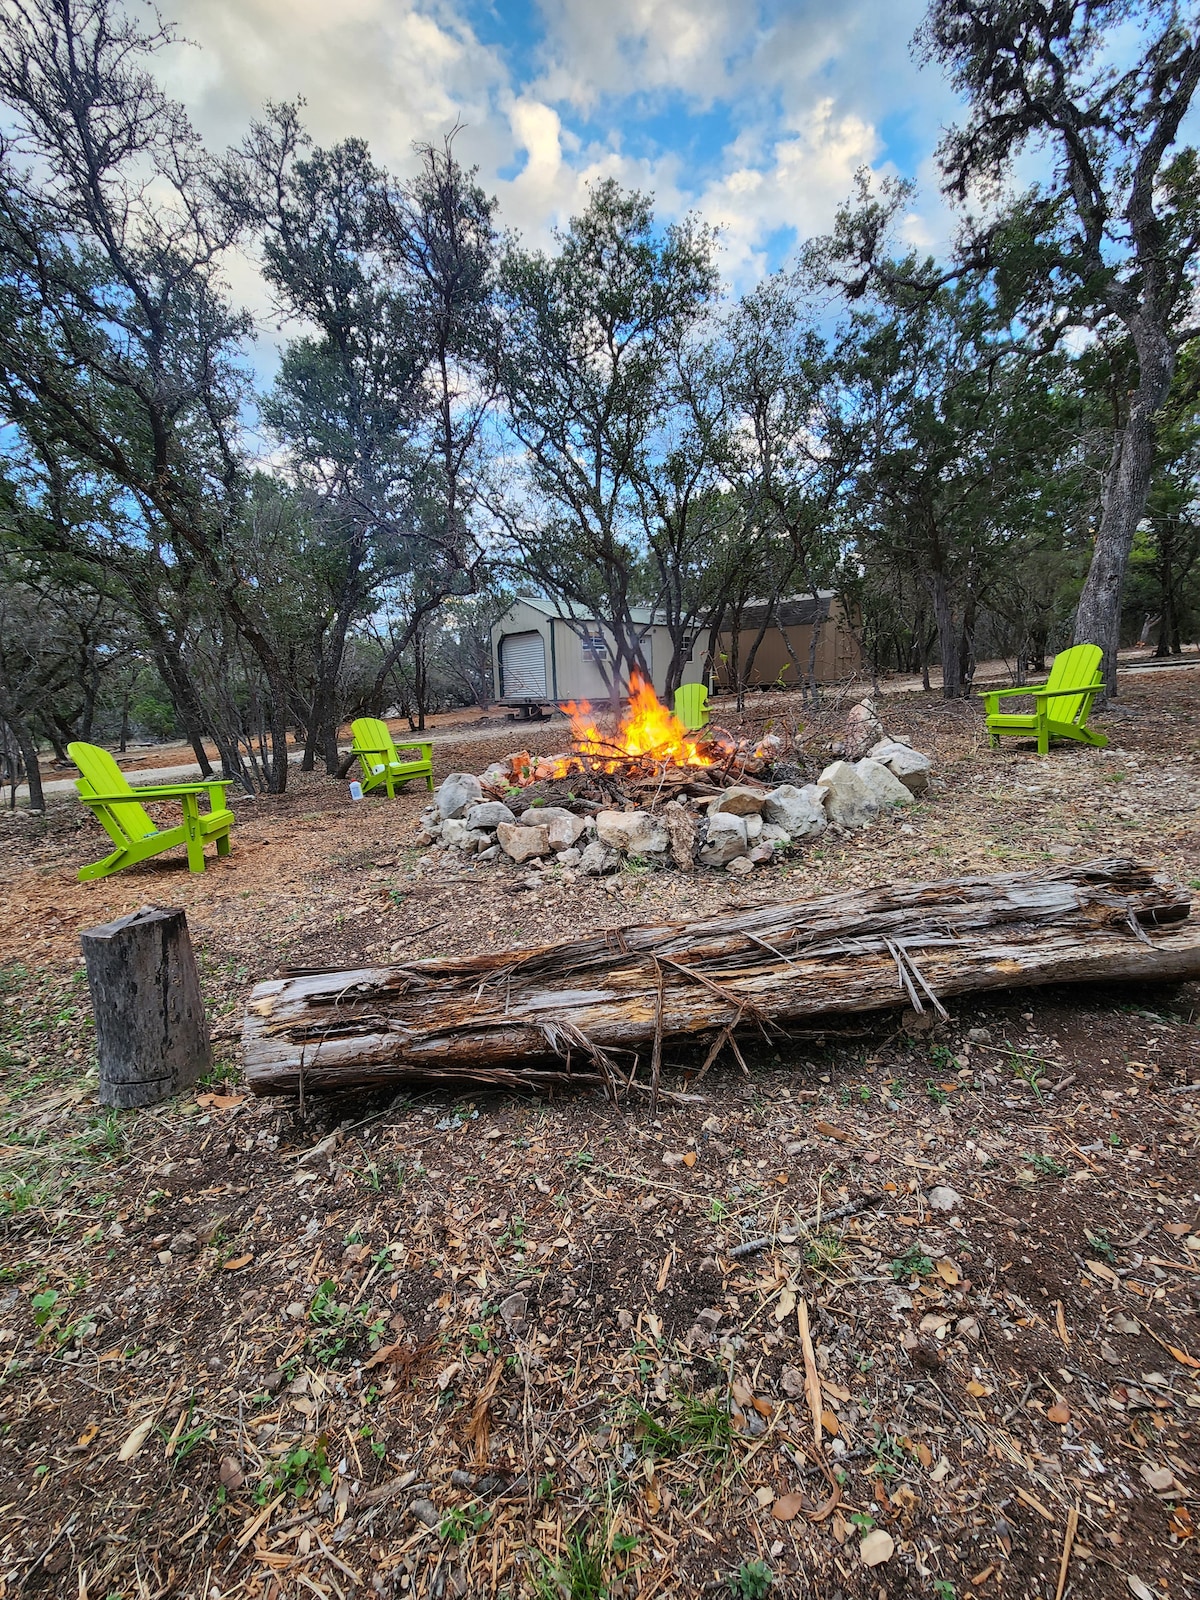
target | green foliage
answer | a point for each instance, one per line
(1045, 1166)
(751, 1581)
(337, 1328)
(463, 1522)
(823, 1251)
(912, 1264)
(300, 1473)
(1101, 1243)
(692, 1425)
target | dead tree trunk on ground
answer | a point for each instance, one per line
(593, 1009)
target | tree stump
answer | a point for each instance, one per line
(151, 1032)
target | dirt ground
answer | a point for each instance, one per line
(418, 1346)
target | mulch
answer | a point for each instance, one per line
(493, 1346)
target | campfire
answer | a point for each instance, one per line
(647, 734)
(649, 746)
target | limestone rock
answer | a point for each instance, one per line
(754, 826)
(740, 865)
(637, 833)
(522, 844)
(597, 859)
(458, 792)
(563, 827)
(909, 765)
(849, 802)
(775, 834)
(798, 812)
(761, 855)
(458, 835)
(740, 801)
(883, 784)
(863, 729)
(570, 857)
(496, 775)
(724, 841)
(490, 814)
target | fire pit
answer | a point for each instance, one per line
(654, 791)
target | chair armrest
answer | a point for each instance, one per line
(1057, 694)
(994, 694)
(425, 746)
(166, 789)
(160, 792)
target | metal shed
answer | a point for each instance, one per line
(542, 653)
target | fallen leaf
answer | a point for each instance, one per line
(237, 1262)
(781, 1177)
(1179, 1229)
(787, 1507)
(830, 1423)
(1180, 1522)
(88, 1434)
(1060, 1413)
(876, 1547)
(219, 1102)
(689, 1158)
(924, 1454)
(977, 1389)
(834, 1390)
(830, 1132)
(785, 1305)
(1104, 1273)
(1160, 1479)
(231, 1474)
(135, 1440)
(947, 1271)
(1137, 1587)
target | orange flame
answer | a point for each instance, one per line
(646, 729)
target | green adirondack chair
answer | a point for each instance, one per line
(1062, 703)
(691, 706)
(106, 791)
(382, 767)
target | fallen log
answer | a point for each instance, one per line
(592, 1010)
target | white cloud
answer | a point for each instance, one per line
(801, 90)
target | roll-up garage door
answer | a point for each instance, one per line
(523, 666)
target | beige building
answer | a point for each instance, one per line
(839, 649)
(544, 654)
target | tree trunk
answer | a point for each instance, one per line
(948, 640)
(27, 745)
(151, 1031)
(584, 1002)
(1123, 501)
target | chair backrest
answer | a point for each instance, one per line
(1076, 668)
(691, 705)
(372, 733)
(102, 775)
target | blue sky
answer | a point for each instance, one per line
(753, 113)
